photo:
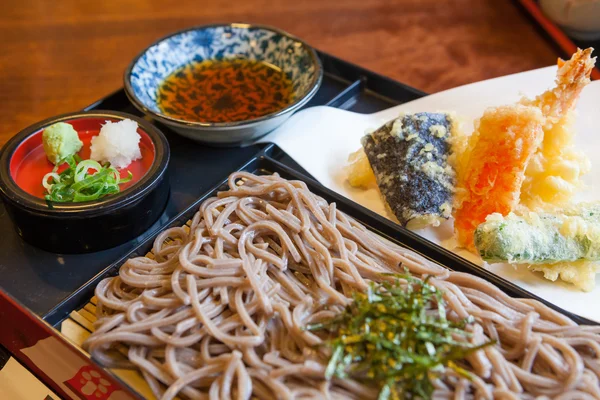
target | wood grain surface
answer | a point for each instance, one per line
(59, 56)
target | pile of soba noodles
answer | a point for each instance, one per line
(219, 311)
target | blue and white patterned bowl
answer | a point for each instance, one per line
(215, 42)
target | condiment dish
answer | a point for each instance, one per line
(294, 58)
(78, 227)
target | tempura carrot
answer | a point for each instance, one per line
(497, 155)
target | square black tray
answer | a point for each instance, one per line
(265, 163)
(40, 280)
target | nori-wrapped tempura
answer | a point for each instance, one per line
(409, 157)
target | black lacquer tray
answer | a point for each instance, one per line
(40, 280)
(53, 285)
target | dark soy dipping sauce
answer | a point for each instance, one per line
(224, 91)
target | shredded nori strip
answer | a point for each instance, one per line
(397, 336)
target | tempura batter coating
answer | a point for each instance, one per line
(493, 166)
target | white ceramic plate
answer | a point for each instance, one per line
(321, 138)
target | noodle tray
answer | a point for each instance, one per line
(75, 316)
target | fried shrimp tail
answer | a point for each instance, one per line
(572, 76)
(555, 172)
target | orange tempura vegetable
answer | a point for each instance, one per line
(491, 170)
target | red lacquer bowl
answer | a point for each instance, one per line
(84, 226)
(29, 163)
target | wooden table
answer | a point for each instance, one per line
(59, 56)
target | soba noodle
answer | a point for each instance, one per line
(219, 311)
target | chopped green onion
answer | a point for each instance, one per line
(47, 185)
(116, 174)
(125, 180)
(82, 169)
(76, 184)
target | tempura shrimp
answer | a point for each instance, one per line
(572, 76)
(511, 145)
(555, 171)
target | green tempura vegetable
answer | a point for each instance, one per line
(60, 141)
(541, 238)
(397, 336)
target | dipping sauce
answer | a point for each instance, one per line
(224, 91)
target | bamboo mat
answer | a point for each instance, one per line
(79, 325)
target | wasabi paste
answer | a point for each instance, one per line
(60, 141)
